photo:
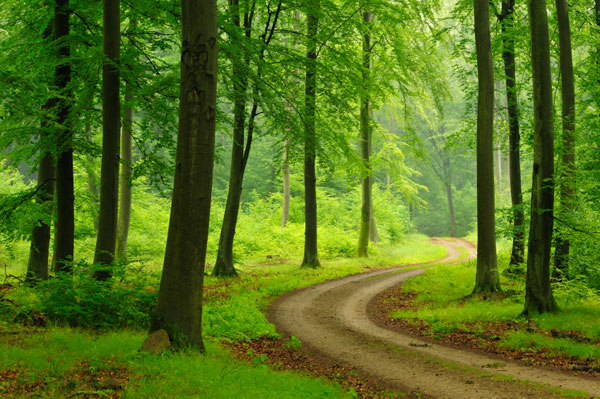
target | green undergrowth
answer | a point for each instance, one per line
(70, 363)
(233, 307)
(444, 303)
(62, 361)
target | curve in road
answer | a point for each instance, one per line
(332, 319)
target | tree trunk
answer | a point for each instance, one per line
(538, 293)
(90, 169)
(239, 155)
(508, 55)
(310, 140)
(37, 266)
(179, 308)
(448, 184)
(111, 129)
(65, 220)
(567, 176)
(285, 212)
(487, 278)
(224, 264)
(126, 173)
(365, 138)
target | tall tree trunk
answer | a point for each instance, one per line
(92, 183)
(448, 183)
(311, 258)
(239, 157)
(512, 100)
(179, 308)
(126, 173)
(285, 212)
(111, 129)
(538, 293)
(65, 219)
(365, 138)
(487, 278)
(37, 266)
(567, 176)
(224, 264)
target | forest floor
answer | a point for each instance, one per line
(342, 329)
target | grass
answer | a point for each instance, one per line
(443, 301)
(61, 362)
(65, 362)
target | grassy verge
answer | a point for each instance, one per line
(64, 362)
(440, 299)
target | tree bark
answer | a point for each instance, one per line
(448, 184)
(179, 308)
(508, 55)
(111, 129)
(224, 264)
(487, 278)
(90, 168)
(285, 212)
(311, 258)
(538, 292)
(126, 174)
(37, 266)
(567, 175)
(65, 220)
(365, 138)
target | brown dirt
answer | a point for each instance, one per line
(332, 321)
(480, 337)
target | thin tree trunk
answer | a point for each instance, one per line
(239, 157)
(37, 266)
(65, 220)
(179, 308)
(285, 212)
(567, 176)
(111, 129)
(90, 168)
(126, 173)
(538, 293)
(512, 100)
(448, 184)
(311, 258)
(487, 278)
(224, 264)
(373, 234)
(365, 137)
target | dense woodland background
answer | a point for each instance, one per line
(394, 91)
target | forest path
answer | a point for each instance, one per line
(331, 320)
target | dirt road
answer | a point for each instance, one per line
(332, 319)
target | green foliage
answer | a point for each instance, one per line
(82, 301)
(450, 306)
(53, 362)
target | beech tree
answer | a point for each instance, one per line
(567, 173)
(65, 196)
(508, 55)
(111, 128)
(365, 141)
(311, 258)
(538, 292)
(487, 278)
(179, 308)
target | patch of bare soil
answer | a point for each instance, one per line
(482, 337)
(280, 355)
